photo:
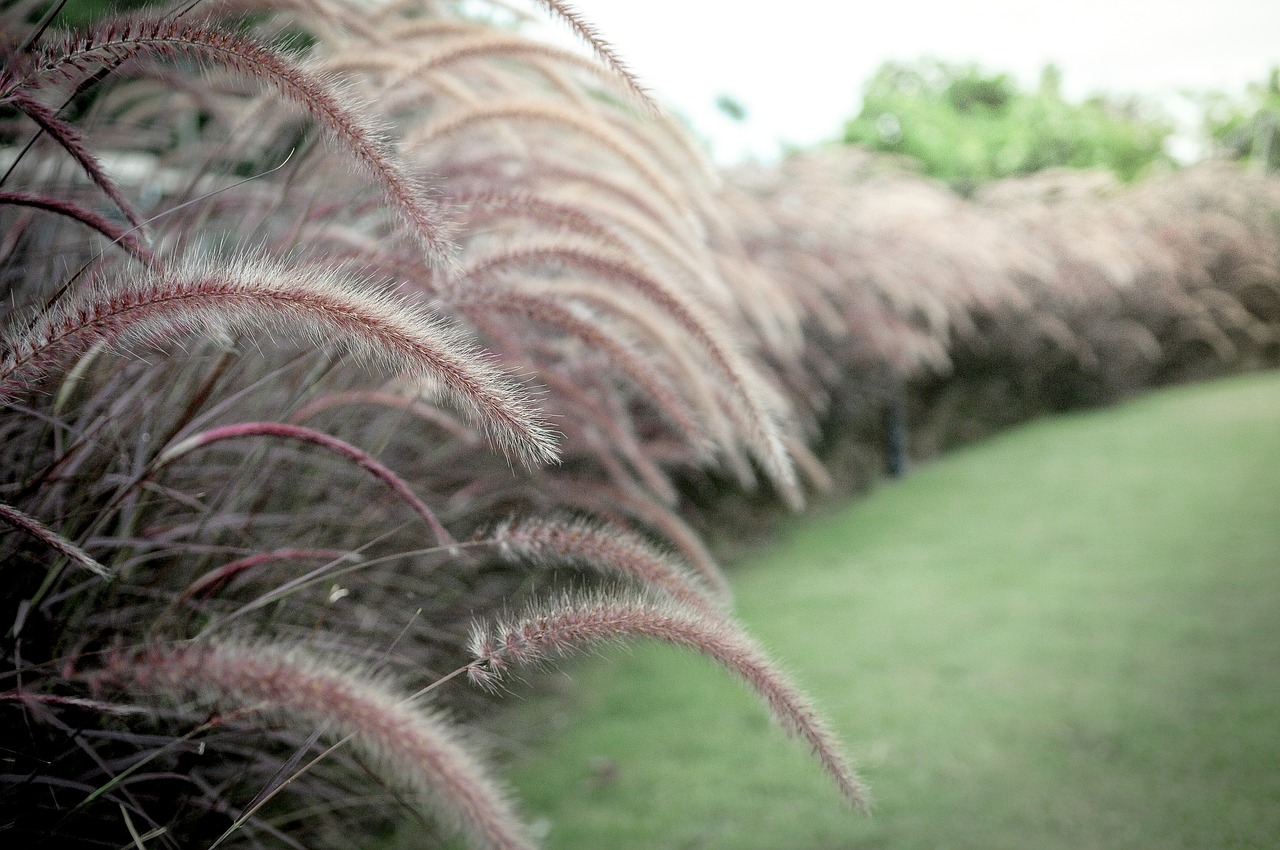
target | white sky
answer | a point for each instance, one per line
(799, 67)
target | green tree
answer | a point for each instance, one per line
(967, 126)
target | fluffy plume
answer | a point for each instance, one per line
(606, 548)
(414, 748)
(573, 320)
(118, 41)
(521, 111)
(586, 31)
(569, 625)
(757, 417)
(309, 302)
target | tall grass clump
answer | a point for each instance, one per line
(961, 315)
(329, 329)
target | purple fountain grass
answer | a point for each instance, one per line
(211, 581)
(283, 430)
(568, 625)
(121, 40)
(689, 335)
(624, 504)
(603, 136)
(491, 45)
(409, 746)
(70, 140)
(754, 413)
(52, 539)
(609, 549)
(620, 226)
(129, 239)
(601, 424)
(610, 223)
(591, 36)
(676, 360)
(309, 302)
(576, 321)
(412, 30)
(568, 172)
(481, 208)
(337, 17)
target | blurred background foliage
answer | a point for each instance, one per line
(1247, 127)
(967, 126)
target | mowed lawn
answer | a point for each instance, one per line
(1066, 637)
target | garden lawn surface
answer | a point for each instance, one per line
(1066, 637)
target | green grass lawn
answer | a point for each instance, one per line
(1067, 637)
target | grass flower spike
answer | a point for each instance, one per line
(414, 748)
(307, 302)
(570, 625)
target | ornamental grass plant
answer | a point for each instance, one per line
(328, 330)
(332, 329)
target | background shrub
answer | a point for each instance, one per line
(967, 126)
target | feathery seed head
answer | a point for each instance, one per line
(313, 303)
(412, 747)
(610, 549)
(567, 625)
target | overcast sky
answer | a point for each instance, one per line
(799, 66)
